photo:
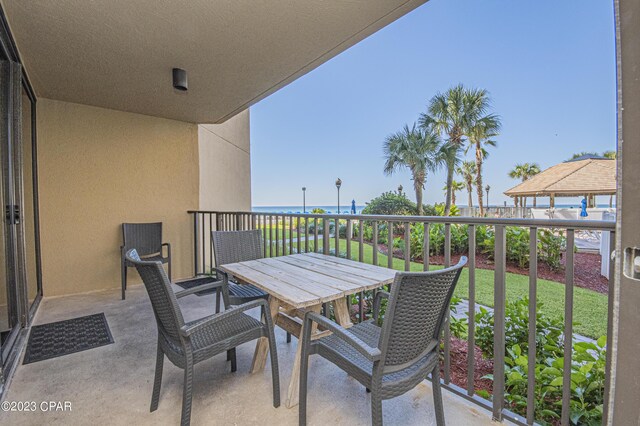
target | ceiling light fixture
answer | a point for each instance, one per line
(180, 79)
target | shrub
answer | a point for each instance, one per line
(391, 203)
(550, 246)
(548, 330)
(312, 226)
(587, 366)
(438, 209)
(459, 238)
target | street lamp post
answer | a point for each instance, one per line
(338, 185)
(487, 188)
(304, 199)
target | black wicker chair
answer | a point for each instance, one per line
(146, 238)
(391, 359)
(186, 344)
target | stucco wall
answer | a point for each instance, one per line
(225, 166)
(99, 168)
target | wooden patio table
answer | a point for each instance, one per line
(304, 282)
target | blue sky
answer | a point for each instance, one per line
(548, 65)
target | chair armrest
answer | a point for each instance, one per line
(220, 271)
(225, 275)
(199, 288)
(372, 354)
(188, 329)
(377, 302)
(168, 246)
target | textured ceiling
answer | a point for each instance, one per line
(119, 53)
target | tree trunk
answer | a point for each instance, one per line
(447, 202)
(418, 184)
(469, 191)
(479, 178)
(535, 201)
(418, 189)
(453, 197)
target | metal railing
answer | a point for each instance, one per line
(497, 211)
(313, 233)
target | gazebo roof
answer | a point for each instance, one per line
(571, 178)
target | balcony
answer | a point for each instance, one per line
(365, 238)
(112, 384)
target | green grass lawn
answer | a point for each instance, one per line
(589, 309)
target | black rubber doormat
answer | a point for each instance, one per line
(60, 338)
(195, 282)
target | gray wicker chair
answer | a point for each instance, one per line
(232, 247)
(146, 238)
(391, 359)
(186, 344)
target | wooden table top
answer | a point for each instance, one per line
(308, 279)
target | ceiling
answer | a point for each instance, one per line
(119, 53)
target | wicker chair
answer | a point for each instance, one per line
(186, 344)
(146, 238)
(391, 359)
(232, 247)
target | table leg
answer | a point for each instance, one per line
(341, 312)
(294, 383)
(262, 347)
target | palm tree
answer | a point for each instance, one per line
(452, 114)
(479, 136)
(455, 187)
(415, 149)
(524, 172)
(467, 171)
(584, 154)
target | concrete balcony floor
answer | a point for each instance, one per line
(112, 384)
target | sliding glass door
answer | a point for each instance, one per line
(20, 283)
(10, 308)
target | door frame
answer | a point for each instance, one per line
(26, 313)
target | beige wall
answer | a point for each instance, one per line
(225, 166)
(99, 168)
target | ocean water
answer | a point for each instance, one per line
(346, 209)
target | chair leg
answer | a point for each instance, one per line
(186, 393)
(218, 303)
(169, 267)
(275, 373)
(231, 355)
(437, 396)
(376, 408)
(302, 393)
(123, 267)
(157, 381)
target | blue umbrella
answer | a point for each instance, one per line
(583, 212)
(353, 206)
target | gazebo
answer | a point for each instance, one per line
(586, 176)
